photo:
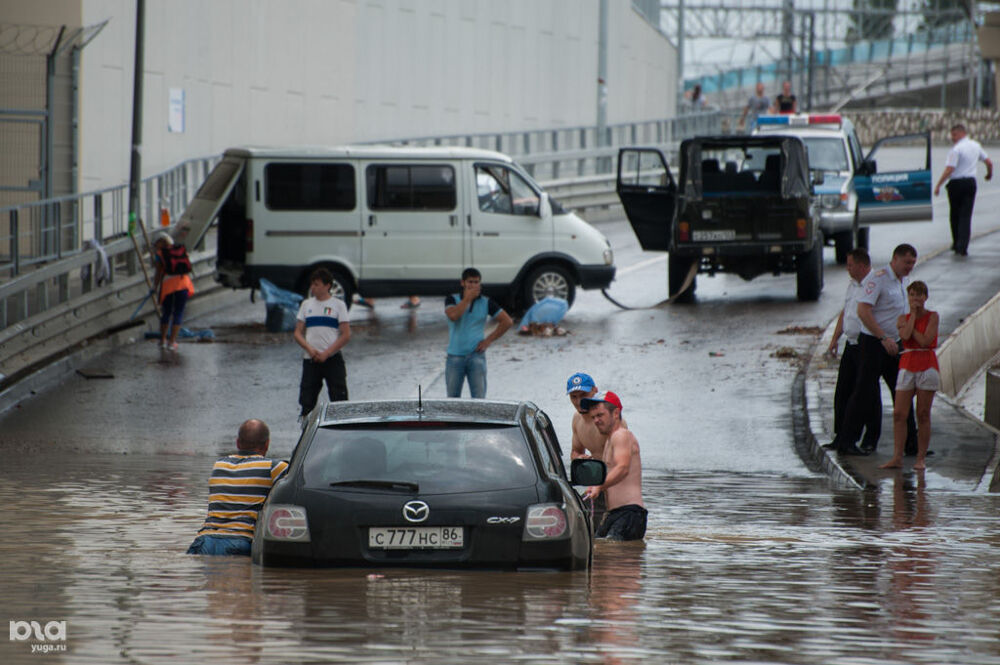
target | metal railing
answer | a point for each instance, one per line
(39, 232)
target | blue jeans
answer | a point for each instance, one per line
(458, 368)
(220, 545)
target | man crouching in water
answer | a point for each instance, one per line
(626, 518)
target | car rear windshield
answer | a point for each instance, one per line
(440, 460)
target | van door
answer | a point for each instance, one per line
(412, 226)
(197, 217)
(896, 195)
(506, 222)
(648, 193)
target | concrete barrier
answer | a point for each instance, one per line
(970, 347)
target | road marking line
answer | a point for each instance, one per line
(640, 265)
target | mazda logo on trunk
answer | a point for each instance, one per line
(416, 511)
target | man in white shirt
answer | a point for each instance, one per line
(882, 301)
(960, 173)
(322, 328)
(859, 265)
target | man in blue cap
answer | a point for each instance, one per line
(587, 441)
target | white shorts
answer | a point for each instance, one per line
(929, 379)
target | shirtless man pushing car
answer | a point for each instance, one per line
(626, 518)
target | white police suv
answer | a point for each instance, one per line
(853, 193)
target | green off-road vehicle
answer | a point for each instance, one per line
(743, 205)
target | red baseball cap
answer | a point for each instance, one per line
(607, 397)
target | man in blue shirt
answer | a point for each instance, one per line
(467, 314)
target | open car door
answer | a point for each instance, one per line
(648, 193)
(198, 216)
(896, 195)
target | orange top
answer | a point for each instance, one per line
(173, 283)
(916, 358)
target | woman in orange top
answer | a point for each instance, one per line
(174, 293)
(918, 373)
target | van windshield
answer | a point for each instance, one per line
(826, 154)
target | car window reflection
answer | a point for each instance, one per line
(438, 460)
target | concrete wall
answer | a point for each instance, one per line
(337, 71)
(970, 347)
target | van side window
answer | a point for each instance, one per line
(309, 186)
(410, 187)
(501, 190)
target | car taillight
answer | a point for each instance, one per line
(545, 521)
(800, 225)
(285, 522)
(249, 235)
(684, 232)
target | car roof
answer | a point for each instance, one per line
(366, 152)
(473, 412)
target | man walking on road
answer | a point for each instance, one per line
(960, 173)
(467, 314)
(880, 305)
(859, 265)
(626, 518)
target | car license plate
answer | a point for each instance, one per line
(416, 538)
(707, 236)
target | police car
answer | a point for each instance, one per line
(853, 193)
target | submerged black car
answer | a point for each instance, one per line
(447, 483)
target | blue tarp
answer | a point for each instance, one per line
(282, 307)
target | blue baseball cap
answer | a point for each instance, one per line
(579, 381)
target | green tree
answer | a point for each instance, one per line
(872, 19)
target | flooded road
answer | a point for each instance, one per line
(750, 557)
(735, 568)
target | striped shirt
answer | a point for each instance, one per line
(236, 491)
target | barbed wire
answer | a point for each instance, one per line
(35, 40)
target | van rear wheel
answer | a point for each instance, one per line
(843, 243)
(342, 287)
(809, 272)
(548, 281)
(678, 268)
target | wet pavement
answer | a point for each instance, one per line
(752, 556)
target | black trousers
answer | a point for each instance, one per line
(863, 410)
(847, 376)
(961, 197)
(332, 371)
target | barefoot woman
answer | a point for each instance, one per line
(918, 372)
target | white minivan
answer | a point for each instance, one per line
(393, 221)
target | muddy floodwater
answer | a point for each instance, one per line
(742, 569)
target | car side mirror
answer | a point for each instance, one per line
(868, 167)
(818, 178)
(588, 472)
(544, 206)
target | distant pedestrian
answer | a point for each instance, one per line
(695, 99)
(918, 373)
(626, 517)
(756, 106)
(785, 102)
(859, 266)
(960, 173)
(880, 305)
(173, 280)
(322, 329)
(239, 484)
(468, 313)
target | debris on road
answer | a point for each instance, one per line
(801, 330)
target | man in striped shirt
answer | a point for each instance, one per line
(237, 489)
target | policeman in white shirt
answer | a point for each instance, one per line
(960, 173)
(859, 265)
(882, 301)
